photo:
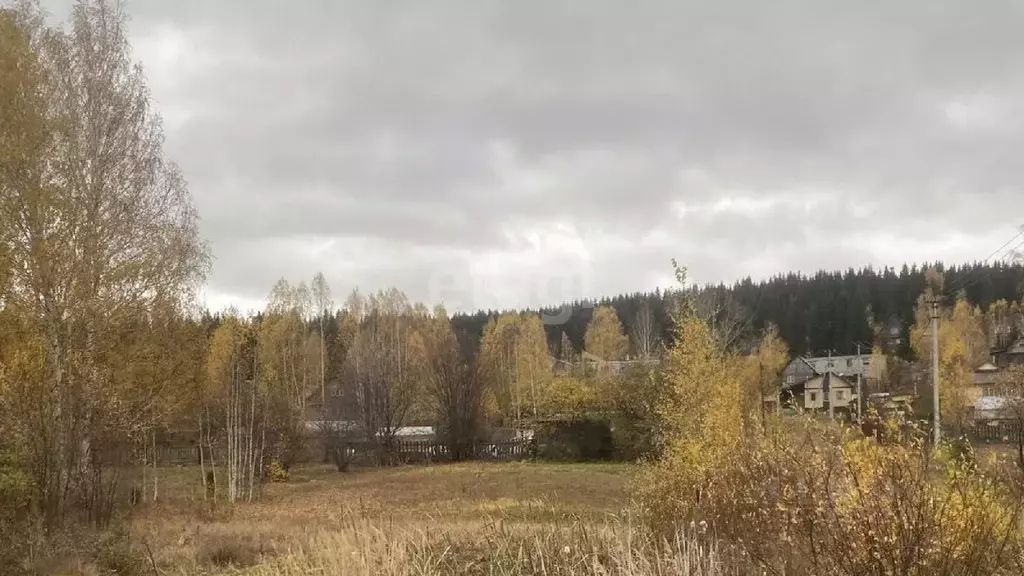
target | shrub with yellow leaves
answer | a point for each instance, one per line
(276, 472)
(811, 497)
(823, 500)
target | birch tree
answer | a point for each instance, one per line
(1002, 323)
(285, 369)
(498, 353)
(514, 353)
(384, 367)
(455, 385)
(232, 373)
(963, 345)
(533, 362)
(566, 351)
(323, 305)
(100, 230)
(644, 333)
(878, 369)
(771, 357)
(605, 337)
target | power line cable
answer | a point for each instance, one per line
(952, 290)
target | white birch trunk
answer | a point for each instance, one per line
(202, 460)
(156, 477)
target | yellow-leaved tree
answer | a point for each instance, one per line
(878, 369)
(701, 415)
(569, 397)
(102, 249)
(514, 354)
(703, 424)
(235, 400)
(605, 337)
(963, 346)
(533, 360)
(811, 497)
(762, 375)
(287, 365)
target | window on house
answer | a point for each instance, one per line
(849, 362)
(789, 379)
(839, 394)
(814, 396)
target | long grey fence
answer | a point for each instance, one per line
(404, 451)
(1004, 432)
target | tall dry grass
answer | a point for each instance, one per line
(495, 519)
(609, 549)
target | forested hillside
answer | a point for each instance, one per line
(814, 314)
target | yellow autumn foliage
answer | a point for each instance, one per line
(605, 337)
(810, 497)
(703, 423)
(963, 346)
(568, 396)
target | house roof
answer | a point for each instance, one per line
(836, 379)
(802, 360)
(414, 431)
(1016, 348)
(987, 367)
(835, 357)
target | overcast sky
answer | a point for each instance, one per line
(495, 153)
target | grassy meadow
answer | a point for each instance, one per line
(474, 518)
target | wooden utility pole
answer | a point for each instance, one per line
(860, 368)
(936, 420)
(828, 387)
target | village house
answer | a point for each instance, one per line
(798, 375)
(797, 372)
(830, 391)
(987, 378)
(1012, 355)
(801, 369)
(985, 393)
(845, 366)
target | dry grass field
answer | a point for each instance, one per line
(497, 518)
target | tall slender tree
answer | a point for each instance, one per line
(645, 332)
(101, 229)
(456, 386)
(385, 367)
(323, 305)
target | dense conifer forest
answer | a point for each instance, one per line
(817, 313)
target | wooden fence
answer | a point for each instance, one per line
(995, 433)
(365, 453)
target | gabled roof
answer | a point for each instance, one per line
(987, 367)
(1016, 348)
(802, 360)
(833, 377)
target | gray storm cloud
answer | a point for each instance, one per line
(401, 143)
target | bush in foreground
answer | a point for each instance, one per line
(831, 503)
